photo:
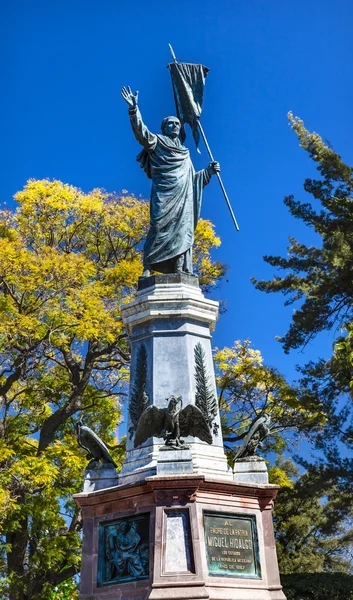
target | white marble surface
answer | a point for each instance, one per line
(250, 471)
(178, 551)
(174, 462)
(100, 478)
(170, 319)
(170, 300)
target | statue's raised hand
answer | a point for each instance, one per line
(129, 97)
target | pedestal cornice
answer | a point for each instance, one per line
(179, 484)
(170, 297)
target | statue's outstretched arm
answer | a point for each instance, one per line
(144, 137)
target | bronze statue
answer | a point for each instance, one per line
(96, 449)
(125, 553)
(258, 431)
(171, 423)
(176, 192)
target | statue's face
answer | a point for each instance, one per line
(124, 527)
(174, 402)
(172, 127)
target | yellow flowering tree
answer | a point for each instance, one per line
(248, 388)
(68, 262)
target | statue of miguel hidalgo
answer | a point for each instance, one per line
(176, 192)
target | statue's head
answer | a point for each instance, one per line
(124, 527)
(175, 402)
(171, 127)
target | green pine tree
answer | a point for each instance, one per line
(318, 277)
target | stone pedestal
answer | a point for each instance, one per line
(169, 317)
(99, 478)
(174, 462)
(183, 537)
(250, 470)
(176, 525)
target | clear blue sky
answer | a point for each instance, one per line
(63, 66)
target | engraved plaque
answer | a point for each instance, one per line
(123, 551)
(231, 545)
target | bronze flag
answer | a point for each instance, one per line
(188, 85)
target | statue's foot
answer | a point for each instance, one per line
(179, 263)
(145, 274)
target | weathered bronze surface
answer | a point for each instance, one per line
(176, 194)
(258, 431)
(139, 399)
(232, 545)
(187, 278)
(205, 399)
(171, 423)
(123, 551)
(96, 449)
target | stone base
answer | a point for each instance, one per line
(100, 478)
(174, 462)
(139, 463)
(250, 470)
(183, 545)
(148, 461)
(145, 283)
(169, 318)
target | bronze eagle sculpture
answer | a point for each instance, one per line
(259, 429)
(171, 423)
(96, 449)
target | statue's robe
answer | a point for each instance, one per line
(176, 197)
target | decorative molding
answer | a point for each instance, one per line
(139, 399)
(205, 399)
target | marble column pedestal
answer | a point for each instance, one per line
(179, 537)
(169, 318)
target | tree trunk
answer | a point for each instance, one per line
(16, 558)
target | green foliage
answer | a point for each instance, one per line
(68, 262)
(318, 586)
(249, 387)
(329, 383)
(67, 590)
(319, 277)
(283, 473)
(313, 521)
(313, 512)
(210, 272)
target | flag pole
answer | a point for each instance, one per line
(211, 157)
(218, 176)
